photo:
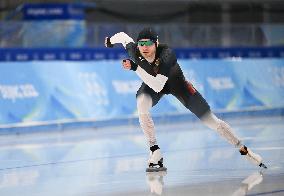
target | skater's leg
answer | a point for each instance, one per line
(144, 104)
(198, 105)
(146, 99)
(252, 157)
(210, 120)
(221, 127)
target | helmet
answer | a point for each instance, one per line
(148, 33)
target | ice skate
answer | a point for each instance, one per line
(155, 162)
(252, 157)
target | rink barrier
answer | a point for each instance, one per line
(91, 54)
(61, 125)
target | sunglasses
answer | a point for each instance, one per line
(145, 43)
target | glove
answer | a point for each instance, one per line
(118, 38)
(108, 44)
(133, 65)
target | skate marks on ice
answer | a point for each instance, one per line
(112, 162)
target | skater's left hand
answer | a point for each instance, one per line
(129, 64)
(126, 64)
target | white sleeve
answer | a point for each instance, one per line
(121, 38)
(156, 83)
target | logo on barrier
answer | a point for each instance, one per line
(126, 87)
(22, 91)
(221, 83)
(192, 78)
(94, 86)
(278, 78)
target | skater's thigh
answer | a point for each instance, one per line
(146, 92)
(194, 102)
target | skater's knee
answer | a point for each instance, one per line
(222, 125)
(211, 121)
(144, 104)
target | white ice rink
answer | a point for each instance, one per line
(112, 161)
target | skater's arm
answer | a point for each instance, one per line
(142, 68)
(130, 46)
(118, 38)
(136, 59)
(155, 82)
(125, 40)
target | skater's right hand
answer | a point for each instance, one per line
(129, 65)
(108, 44)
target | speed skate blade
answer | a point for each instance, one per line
(153, 169)
(262, 166)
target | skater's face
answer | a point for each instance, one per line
(147, 48)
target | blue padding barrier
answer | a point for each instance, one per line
(90, 54)
(133, 121)
(56, 92)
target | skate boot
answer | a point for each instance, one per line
(155, 162)
(252, 157)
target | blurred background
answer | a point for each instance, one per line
(56, 75)
(55, 69)
(181, 23)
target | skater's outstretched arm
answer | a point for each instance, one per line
(157, 82)
(139, 64)
(118, 38)
(131, 48)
